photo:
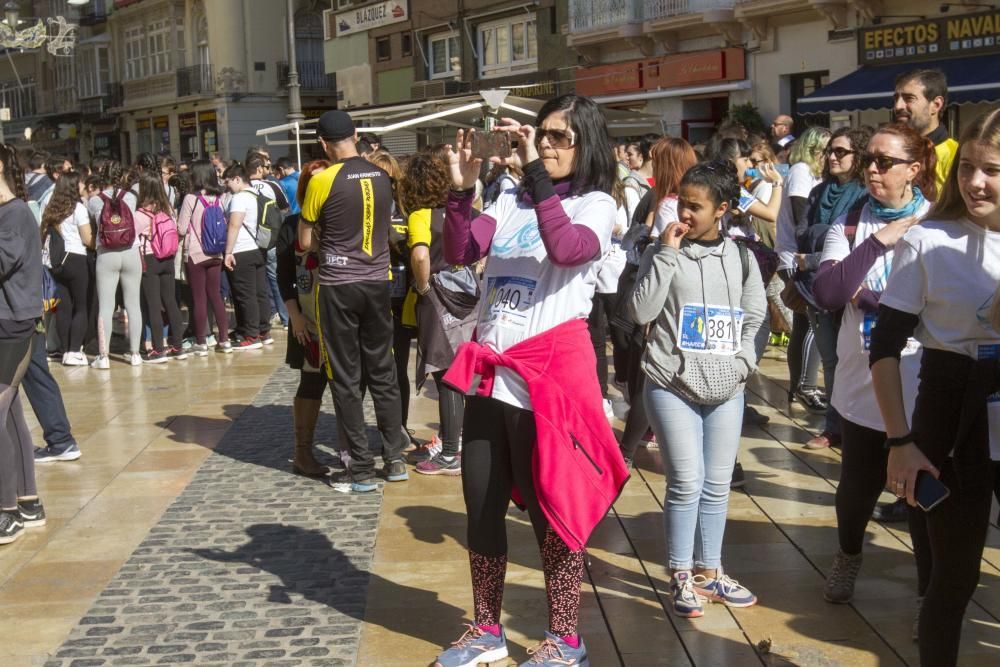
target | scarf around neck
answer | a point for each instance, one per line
(885, 214)
(563, 186)
(835, 199)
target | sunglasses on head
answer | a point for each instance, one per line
(839, 152)
(557, 138)
(882, 162)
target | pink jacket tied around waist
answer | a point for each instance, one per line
(577, 465)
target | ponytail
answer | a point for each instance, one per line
(927, 178)
(12, 171)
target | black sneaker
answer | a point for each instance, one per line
(50, 454)
(176, 353)
(812, 400)
(343, 481)
(894, 512)
(32, 513)
(395, 471)
(739, 479)
(753, 418)
(154, 357)
(11, 526)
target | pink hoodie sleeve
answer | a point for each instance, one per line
(466, 240)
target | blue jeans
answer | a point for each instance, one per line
(45, 398)
(699, 445)
(272, 282)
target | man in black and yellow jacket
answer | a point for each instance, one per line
(919, 100)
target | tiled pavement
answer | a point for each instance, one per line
(160, 550)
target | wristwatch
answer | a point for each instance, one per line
(899, 442)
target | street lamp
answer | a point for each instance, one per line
(12, 13)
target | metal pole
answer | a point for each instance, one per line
(294, 99)
(298, 148)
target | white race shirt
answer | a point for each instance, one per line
(70, 229)
(799, 183)
(245, 202)
(615, 258)
(666, 213)
(523, 292)
(853, 394)
(961, 261)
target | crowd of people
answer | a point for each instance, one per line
(873, 253)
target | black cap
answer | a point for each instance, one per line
(335, 125)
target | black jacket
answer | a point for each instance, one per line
(20, 263)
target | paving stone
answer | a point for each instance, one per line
(249, 566)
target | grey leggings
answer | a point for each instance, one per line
(17, 459)
(112, 266)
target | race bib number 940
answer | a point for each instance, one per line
(710, 328)
(508, 301)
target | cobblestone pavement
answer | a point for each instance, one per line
(251, 565)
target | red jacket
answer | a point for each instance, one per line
(577, 464)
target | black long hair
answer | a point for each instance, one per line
(204, 177)
(12, 172)
(594, 168)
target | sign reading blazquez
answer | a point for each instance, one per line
(944, 37)
(372, 16)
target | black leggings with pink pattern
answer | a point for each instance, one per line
(498, 440)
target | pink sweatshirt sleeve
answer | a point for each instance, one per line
(836, 282)
(184, 218)
(466, 240)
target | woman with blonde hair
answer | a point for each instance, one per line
(806, 172)
(941, 291)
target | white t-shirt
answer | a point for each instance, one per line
(853, 394)
(70, 229)
(666, 213)
(245, 202)
(799, 183)
(523, 292)
(961, 262)
(614, 259)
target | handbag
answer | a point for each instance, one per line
(792, 297)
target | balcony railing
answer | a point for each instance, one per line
(196, 80)
(151, 89)
(655, 9)
(115, 95)
(20, 99)
(312, 76)
(588, 15)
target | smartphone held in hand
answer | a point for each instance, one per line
(929, 492)
(490, 144)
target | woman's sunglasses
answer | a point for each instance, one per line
(557, 138)
(882, 162)
(839, 152)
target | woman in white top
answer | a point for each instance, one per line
(67, 217)
(245, 263)
(857, 258)
(941, 291)
(806, 172)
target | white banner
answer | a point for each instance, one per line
(365, 18)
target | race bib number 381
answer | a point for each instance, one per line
(710, 328)
(508, 302)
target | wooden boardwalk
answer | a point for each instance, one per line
(780, 542)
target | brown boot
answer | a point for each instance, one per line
(305, 414)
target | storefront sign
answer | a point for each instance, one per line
(206, 117)
(365, 18)
(142, 124)
(187, 121)
(944, 37)
(617, 78)
(161, 122)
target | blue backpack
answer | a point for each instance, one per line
(213, 227)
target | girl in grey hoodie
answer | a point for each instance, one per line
(703, 295)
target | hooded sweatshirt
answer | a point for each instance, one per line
(706, 317)
(20, 266)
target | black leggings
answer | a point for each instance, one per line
(74, 305)
(498, 444)
(451, 411)
(862, 478)
(17, 460)
(311, 385)
(603, 310)
(401, 337)
(159, 290)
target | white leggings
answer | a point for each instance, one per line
(114, 266)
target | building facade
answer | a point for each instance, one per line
(184, 77)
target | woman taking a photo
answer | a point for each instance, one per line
(941, 290)
(20, 309)
(204, 271)
(858, 255)
(543, 244)
(703, 294)
(67, 217)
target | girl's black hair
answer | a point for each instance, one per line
(204, 177)
(718, 177)
(727, 149)
(236, 170)
(594, 167)
(12, 171)
(147, 162)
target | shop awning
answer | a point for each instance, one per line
(970, 80)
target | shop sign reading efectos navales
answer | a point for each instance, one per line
(377, 15)
(932, 39)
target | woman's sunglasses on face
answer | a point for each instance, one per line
(838, 152)
(557, 138)
(882, 162)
